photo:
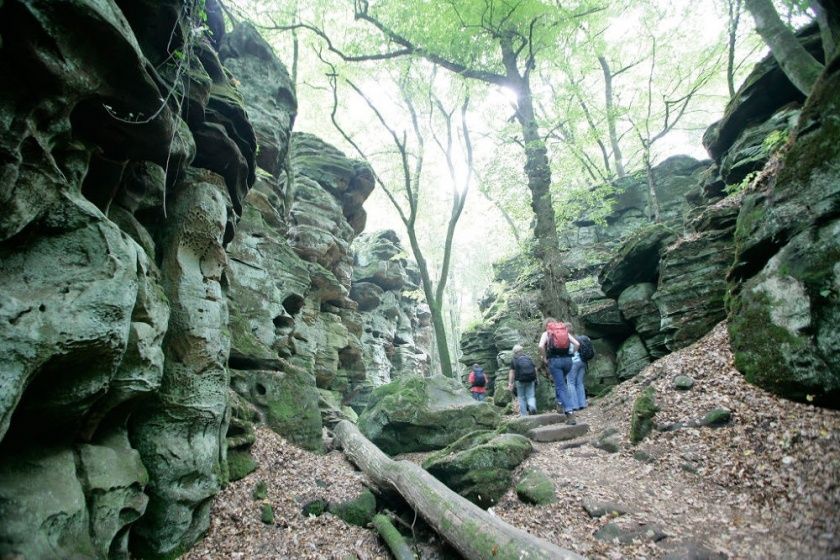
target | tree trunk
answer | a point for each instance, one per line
(395, 541)
(555, 300)
(798, 65)
(435, 306)
(618, 158)
(734, 19)
(829, 24)
(653, 199)
(476, 534)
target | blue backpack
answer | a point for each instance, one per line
(479, 379)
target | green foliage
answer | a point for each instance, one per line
(739, 187)
(775, 141)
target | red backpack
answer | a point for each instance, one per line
(558, 338)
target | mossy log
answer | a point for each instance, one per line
(476, 534)
(395, 541)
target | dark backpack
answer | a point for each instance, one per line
(558, 339)
(524, 368)
(586, 350)
(479, 379)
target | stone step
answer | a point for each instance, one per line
(522, 424)
(558, 432)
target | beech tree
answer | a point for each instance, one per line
(410, 151)
(497, 42)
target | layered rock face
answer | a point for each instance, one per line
(112, 280)
(784, 310)
(176, 266)
(510, 312)
(396, 324)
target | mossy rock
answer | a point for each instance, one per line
(423, 414)
(644, 409)
(240, 464)
(717, 417)
(480, 466)
(267, 514)
(683, 383)
(260, 491)
(315, 507)
(536, 488)
(357, 511)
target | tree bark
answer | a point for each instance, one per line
(829, 23)
(734, 19)
(797, 63)
(476, 534)
(653, 199)
(618, 158)
(395, 541)
(555, 300)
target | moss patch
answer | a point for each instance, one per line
(358, 511)
(240, 464)
(644, 409)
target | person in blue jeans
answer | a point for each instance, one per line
(523, 372)
(574, 381)
(559, 361)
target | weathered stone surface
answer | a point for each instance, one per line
(597, 508)
(536, 488)
(784, 307)
(621, 535)
(480, 465)
(180, 432)
(762, 93)
(692, 280)
(267, 91)
(423, 413)
(717, 417)
(523, 424)
(631, 358)
(636, 261)
(557, 432)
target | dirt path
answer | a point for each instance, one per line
(767, 485)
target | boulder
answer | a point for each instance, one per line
(611, 532)
(762, 93)
(601, 370)
(480, 465)
(692, 280)
(536, 488)
(637, 307)
(632, 357)
(423, 413)
(557, 432)
(636, 261)
(356, 511)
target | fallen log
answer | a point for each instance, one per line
(395, 541)
(476, 534)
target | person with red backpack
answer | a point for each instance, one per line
(478, 382)
(557, 347)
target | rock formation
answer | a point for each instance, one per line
(176, 265)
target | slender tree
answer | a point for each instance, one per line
(412, 184)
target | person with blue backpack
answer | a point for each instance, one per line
(574, 381)
(524, 373)
(478, 382)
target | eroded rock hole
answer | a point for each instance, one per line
(261, 390)
(293, 304)
(283, 321)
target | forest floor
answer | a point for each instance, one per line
(765, 485)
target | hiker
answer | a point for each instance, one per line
(574, 381)
(524, 373)
(478, 382)
(555, 345)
